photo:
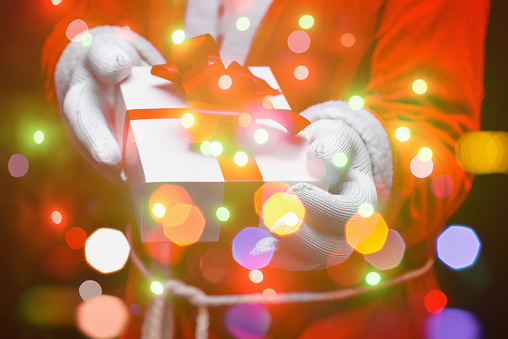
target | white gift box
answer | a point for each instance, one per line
(155, 154)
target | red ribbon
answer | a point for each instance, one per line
(197, 68)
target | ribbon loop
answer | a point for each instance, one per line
(197, 69)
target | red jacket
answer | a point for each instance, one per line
(396, 42)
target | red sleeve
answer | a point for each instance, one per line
(442, 43)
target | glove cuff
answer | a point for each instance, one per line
(371, 131)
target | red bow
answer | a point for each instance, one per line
(198, 70)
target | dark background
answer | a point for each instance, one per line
(33, 252)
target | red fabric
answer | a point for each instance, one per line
(397, 42)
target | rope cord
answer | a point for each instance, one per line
(153, 324)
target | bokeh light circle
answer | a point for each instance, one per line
(366, 209)
(178, 36)
(366, 234)
(247, 321)
(87, 40)
(339, 159)
(458, 247)
(225, 82)
(453, 323)
(356, 102)
(442, 186)
(107, 250)
(187, 120)
(425, 154)
(38, 137)
(184, 224)
(56, 217)
(76, 30)
(402, 133)
(390, 255)
(103, 316)
(156, 288)
(269, 292)
(298, 41)
(222, 214)
(256, 276)
(243, 23)
(301, 72)
(421, 169)
(244, 119)
(241, 158)
(244, 243)
(435, 301)
(373, 278)
(18, 165)
(159, 210)
(290, 219)
(216, 148)
(419, 86)
(347, 40)
(276, 207)
(306, 21)
(205, 147)
(89, 289)
(135, 309)
(75, 238)
(261, 136)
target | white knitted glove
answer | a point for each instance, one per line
(320, 241)
(84, 81)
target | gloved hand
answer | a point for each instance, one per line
(320, 240)
(85, 78)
